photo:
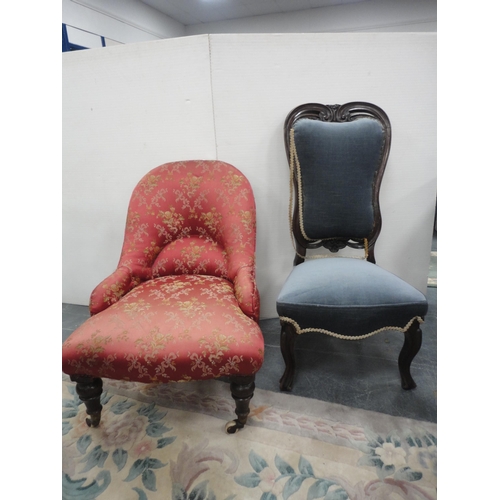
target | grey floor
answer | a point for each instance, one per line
(361, 374)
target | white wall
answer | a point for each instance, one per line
(126, 109)
(130, 108)
(372, 16)
(123, 21)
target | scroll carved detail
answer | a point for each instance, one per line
(334, 245)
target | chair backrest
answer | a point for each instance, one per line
(190, 217)
(337, 155)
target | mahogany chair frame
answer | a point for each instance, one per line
(342, 113)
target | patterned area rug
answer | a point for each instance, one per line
(168, 442)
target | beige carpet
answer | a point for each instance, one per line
(168, 442)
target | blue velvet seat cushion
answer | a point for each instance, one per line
(348, 296)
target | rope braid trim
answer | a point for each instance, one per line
(295, 166)
(300, 331)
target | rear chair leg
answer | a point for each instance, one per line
(242, 389)
(89, 389)
(411, 346)
(287, 343)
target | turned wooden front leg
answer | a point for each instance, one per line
(89, 390)
(242, 389)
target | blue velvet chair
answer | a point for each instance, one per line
(337, 156)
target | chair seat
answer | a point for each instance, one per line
(348, 297)
(170, 328)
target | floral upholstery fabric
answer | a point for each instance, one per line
(183, 302)
(168, 329)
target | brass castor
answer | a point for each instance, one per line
(234, 426)
(93, 420)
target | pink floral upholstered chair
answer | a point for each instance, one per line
(183, 303)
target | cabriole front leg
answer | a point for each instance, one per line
(242, 389)
(89, 390)
(287, 344)
(411, 346)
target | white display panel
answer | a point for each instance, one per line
(130, 108)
